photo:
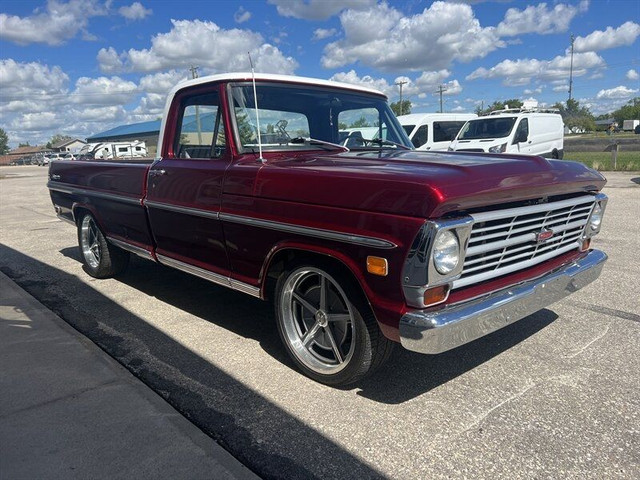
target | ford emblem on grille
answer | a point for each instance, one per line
(544, 235)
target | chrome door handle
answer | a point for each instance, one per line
(55, 177)
(156, 173)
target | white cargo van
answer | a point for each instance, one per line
(527, 131)
(433, 131)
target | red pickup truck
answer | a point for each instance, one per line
(272, 189)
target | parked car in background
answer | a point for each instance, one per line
(69, 156)
(517, 130)
(433, 131)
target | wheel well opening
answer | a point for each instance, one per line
(284, 260)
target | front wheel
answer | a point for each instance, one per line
(327, 328)
(100, 258)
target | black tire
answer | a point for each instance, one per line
(100, 258)
(335, 341)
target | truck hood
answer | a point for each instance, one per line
(419, 184)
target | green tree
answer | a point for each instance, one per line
(25, 144)
(4, 142)
(576, 117)
(405, 110)
(342, 126)
(57, 138)
(361, 122)
(630, 111)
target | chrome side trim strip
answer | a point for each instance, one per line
(210, 276)
(454, 325)
(309, 231)
(180, 209)
(64, 188)
(141, 252)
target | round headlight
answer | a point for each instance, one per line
(446, 252)
(596, 217)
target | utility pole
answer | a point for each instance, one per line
(194, 74)
(441, 90)
(571, 68)
(400, 84)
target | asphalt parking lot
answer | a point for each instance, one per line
(556, 395)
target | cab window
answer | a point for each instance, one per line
(201, 132)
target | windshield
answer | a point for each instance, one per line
(487, 128)
(289, 112)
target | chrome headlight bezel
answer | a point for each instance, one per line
(594, 223)
(419, 272)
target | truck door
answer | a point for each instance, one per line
(184, 189)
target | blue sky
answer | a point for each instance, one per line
(82, 66)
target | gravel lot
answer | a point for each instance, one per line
(556, 395)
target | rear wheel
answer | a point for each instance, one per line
(100, 258)
(327, 329)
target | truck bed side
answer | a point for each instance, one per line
(112, 191)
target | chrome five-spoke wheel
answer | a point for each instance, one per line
(327, 327)
(89, 242)
(317, 320)
(100, 258)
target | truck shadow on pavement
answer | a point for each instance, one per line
(406, 375)
(264, 437)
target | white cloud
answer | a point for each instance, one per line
(161, 82)
(135, 11)
(632, 75)
(529, 91)
(561, 88)
(421, 87)
(100, 114)
(322, 33)
(367, 81)
(539, 19)
(385, 39)
(241, 15)
(201, 43)
(103, 91)
(620, 92)
(110, 61)
(624, 35)
(318, 9)
(55, 25)
(35, 121)
(522, 71)
(30, 81)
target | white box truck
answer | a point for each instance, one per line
(630, 125)
(526, 131)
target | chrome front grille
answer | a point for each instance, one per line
(505, 241)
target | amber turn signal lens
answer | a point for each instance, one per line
(436, 295)
(586, 243)
(377, 266)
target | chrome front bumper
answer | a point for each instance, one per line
(448, 328)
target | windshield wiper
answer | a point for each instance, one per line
(381, 142)
(319, 143)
